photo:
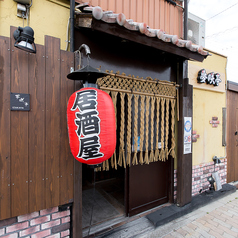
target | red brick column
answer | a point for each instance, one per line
(200, 174)
(45, 223)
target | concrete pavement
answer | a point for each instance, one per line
(217, 219)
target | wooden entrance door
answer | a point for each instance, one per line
(148, 186)
(232, 136)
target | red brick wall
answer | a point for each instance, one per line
(201, 173)
(49, 223)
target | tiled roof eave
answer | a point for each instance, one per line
(116, 30)
(118, 25)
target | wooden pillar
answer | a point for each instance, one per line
(184, 162)
(77, 205)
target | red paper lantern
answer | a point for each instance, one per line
(91, 125)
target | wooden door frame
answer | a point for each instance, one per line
(184, 161)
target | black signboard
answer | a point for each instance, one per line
(20, 102)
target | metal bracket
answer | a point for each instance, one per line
(21, 10)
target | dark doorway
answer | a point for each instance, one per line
(129, 190)
(103, 193)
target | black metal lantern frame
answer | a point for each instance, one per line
(88, 74)
(25, 39)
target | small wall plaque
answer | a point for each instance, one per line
(20, 102)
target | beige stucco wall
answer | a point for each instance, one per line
(47, 17)
(208, 101)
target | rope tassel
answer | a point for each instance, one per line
(114, 100)
(146, 160)
(166, 151)
(142, 128)
(162, 155)
(157, 129)
(172, 149)
(128, 139)
(134, 161)
(152, 155)
(122, 132)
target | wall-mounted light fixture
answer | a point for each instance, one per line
(25, 39)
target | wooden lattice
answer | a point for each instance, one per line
(137, 85)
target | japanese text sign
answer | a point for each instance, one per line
(211, 78)
(91, 125)
(20, 102)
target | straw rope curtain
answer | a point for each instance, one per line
(157, 108)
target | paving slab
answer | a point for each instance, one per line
(172, 212)
(209, 221)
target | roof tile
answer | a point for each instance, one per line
(143, 28)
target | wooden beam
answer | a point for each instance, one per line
(84, 20)
(232, 86)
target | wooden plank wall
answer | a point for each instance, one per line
(157, 14)
(36, 166)
(4, 127)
